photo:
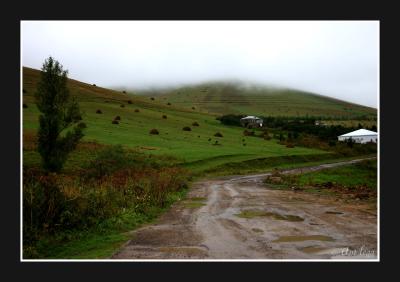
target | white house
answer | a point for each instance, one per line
(251, 121)
(360, 136)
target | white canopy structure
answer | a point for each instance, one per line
(360, 136)
(251, 121)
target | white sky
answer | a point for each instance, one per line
(333, 58)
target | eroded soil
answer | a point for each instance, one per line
(238, 217)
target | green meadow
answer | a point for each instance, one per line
(197, 149)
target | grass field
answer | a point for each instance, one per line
(197, 147)
(354, 181)
(231, 98)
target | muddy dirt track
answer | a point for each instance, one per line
(238, 217)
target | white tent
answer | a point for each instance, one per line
(360, 136)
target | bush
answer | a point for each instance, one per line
(248, 133)
(186, 128)
(195, 123)
(129, 101)
(123, 91)
(24, 91)
(164, 117)
(115, 122)
(154, 131)
(82, 125)
(152, 98)
(193, 108)
(218, 134)
(209, 139)
(24, 106)
(94, 84)
(117, 118)
(137, 110)
(290, 145)
(122, 106)
(99, 112)
(169, 104)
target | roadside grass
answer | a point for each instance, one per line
(103, 240)
(352, 181)
(363, 173)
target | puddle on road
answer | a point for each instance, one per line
(277, 216)
(333, 212)
(283, 239)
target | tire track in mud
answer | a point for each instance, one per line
(286, 225)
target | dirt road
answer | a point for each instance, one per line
(240, 218)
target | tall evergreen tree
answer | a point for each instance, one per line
(57, 135)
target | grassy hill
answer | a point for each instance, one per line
(234, 98)
(197, 148)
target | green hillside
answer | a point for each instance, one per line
(232, 98)
(196, 147)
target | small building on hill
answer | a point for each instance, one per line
(251, 121)
(360, 136)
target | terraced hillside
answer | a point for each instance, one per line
(225, 98)
(198, 148)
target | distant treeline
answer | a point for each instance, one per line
(296, 125)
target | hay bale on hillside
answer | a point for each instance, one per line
(154, 131)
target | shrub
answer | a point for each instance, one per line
(24, 91)
(169, 104)
(164, 117)
(122, 106)
(115, 122)
(332, 143)
(24, 106)
(193, 108)
(117, 118)
(129, 101)
(248, 133)
(186, 128)
(137, 110)
(94, 84)
(218, 134)
(209, 139)
(152, 98)
(195, 123)
(82, 125)
(99, 112)
(290, 145)
(154, 131)
(123, 91)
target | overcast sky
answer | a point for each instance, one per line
(333, 58)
